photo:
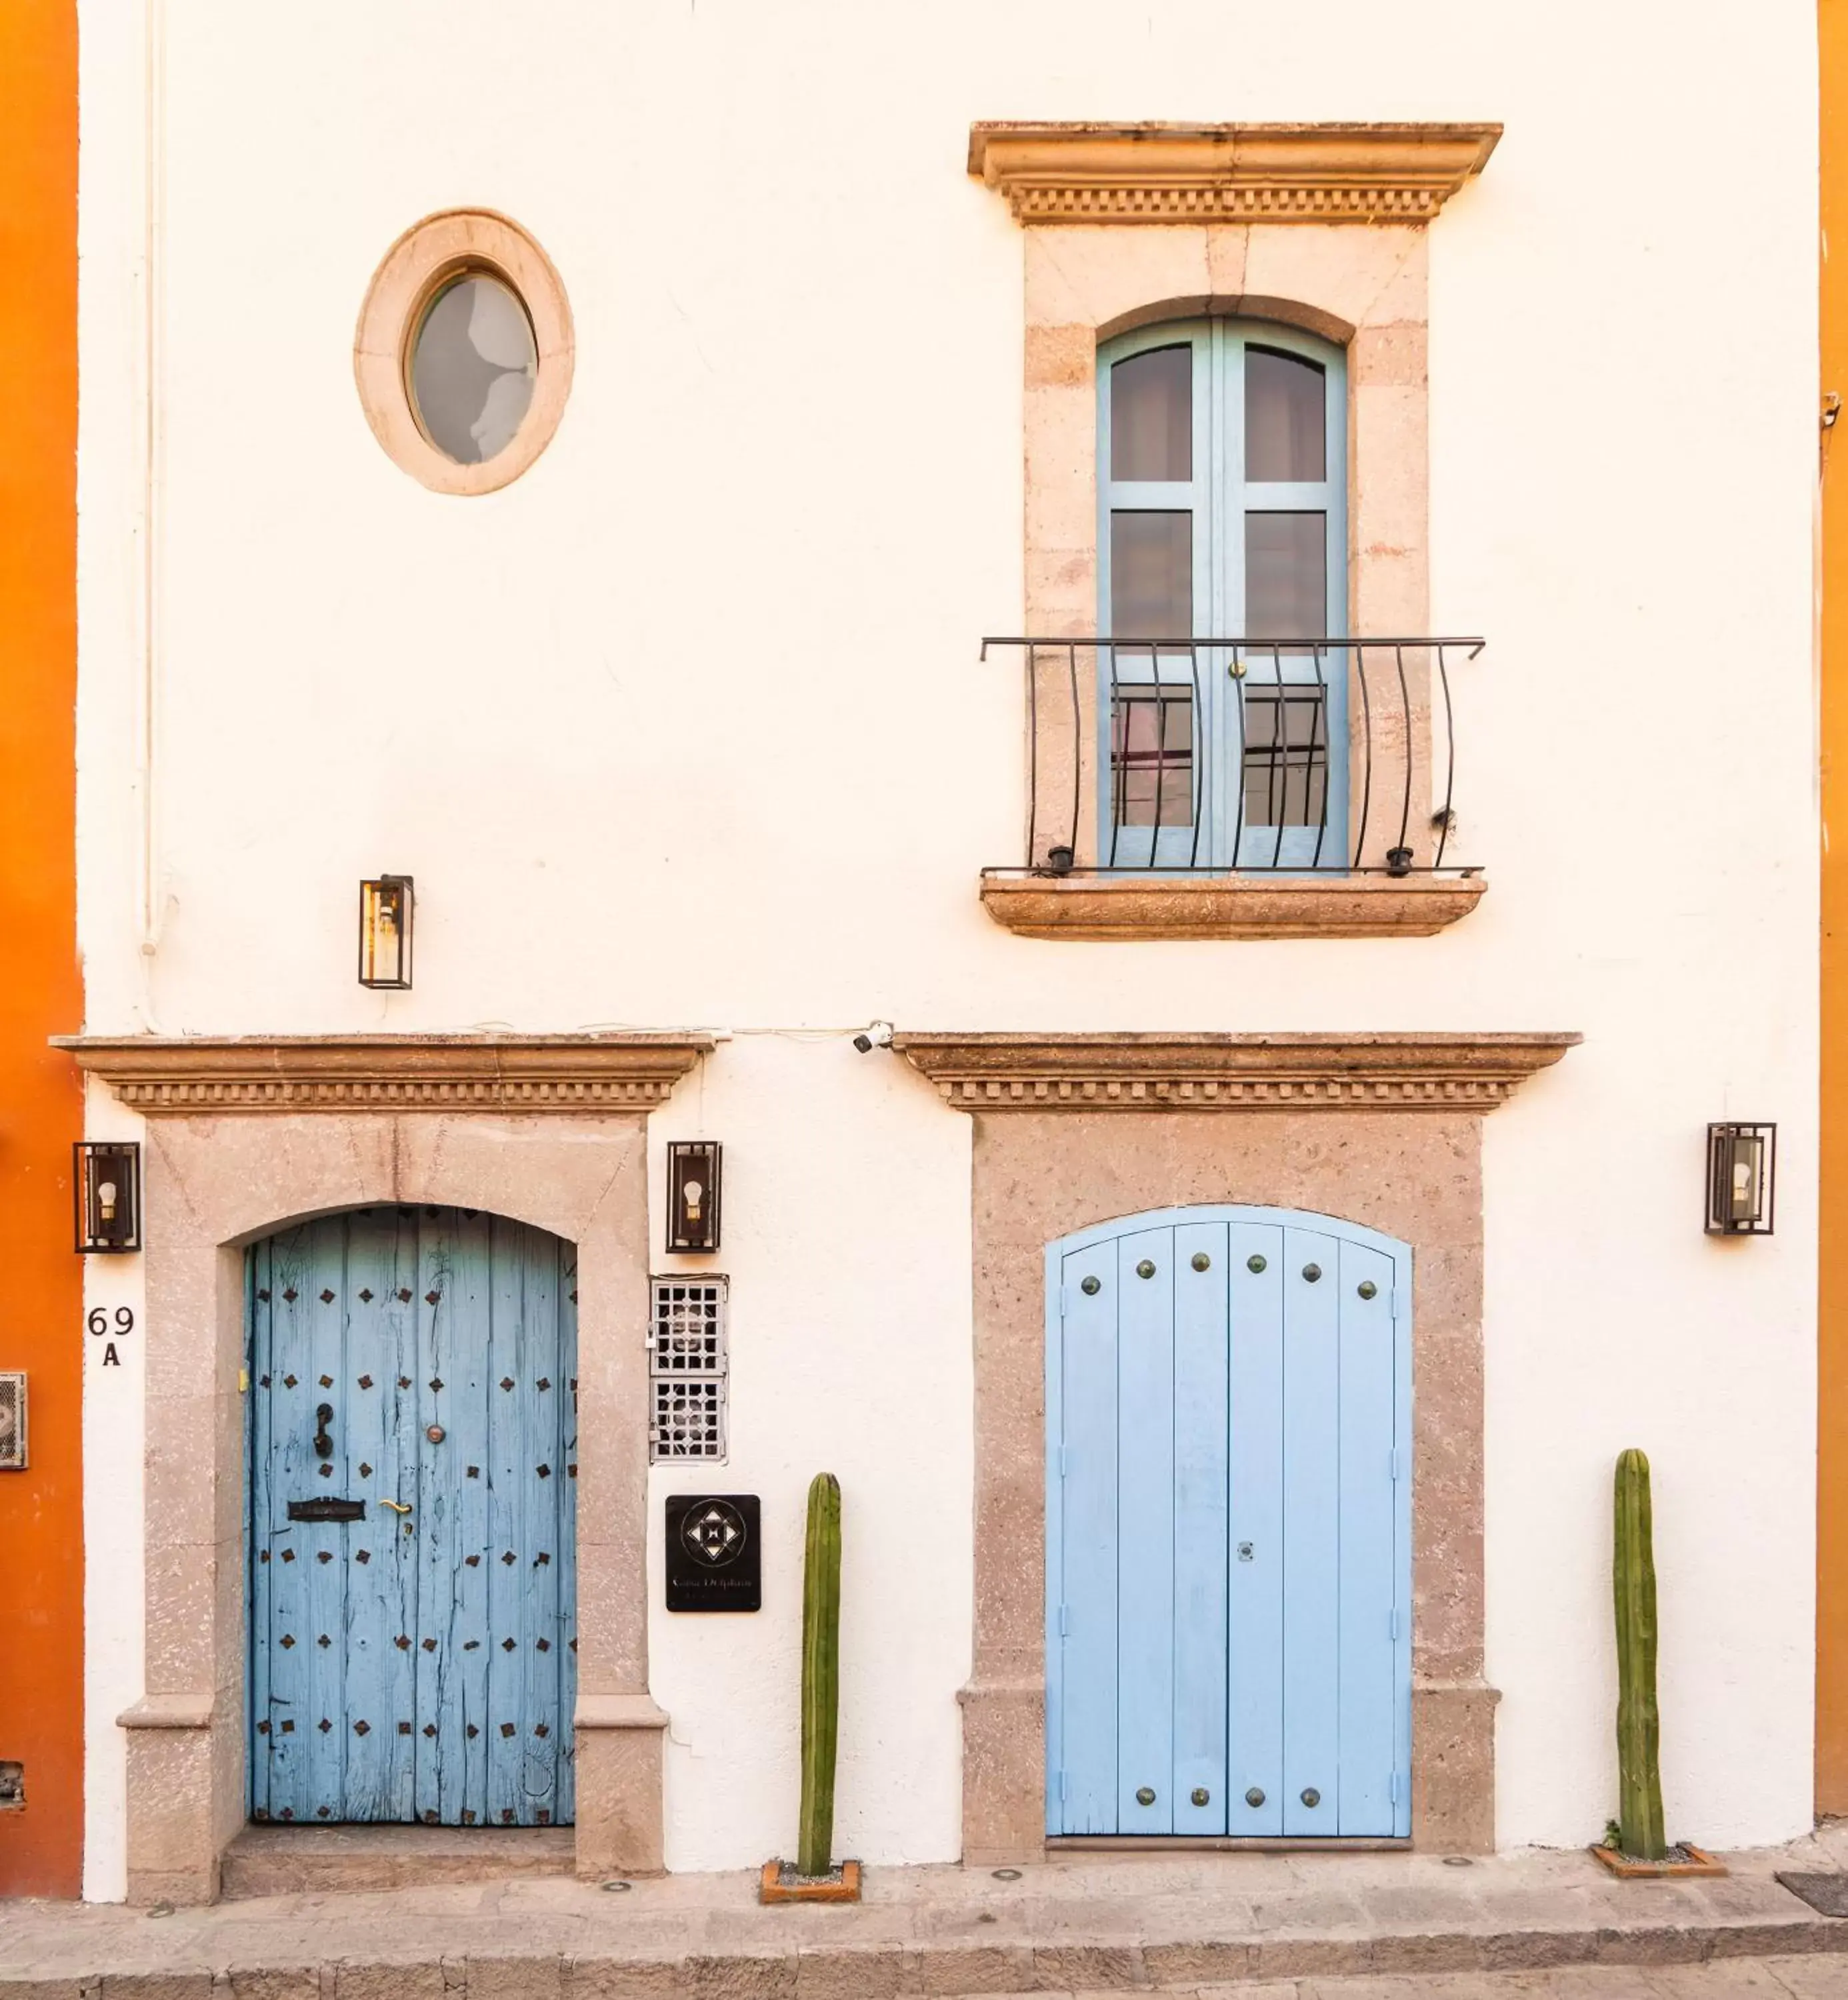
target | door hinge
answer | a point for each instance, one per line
(1065, 1621)
(1392, 1788)
(1064, 1459)
(1401, 1302)
(1061, 1788)
(1393, 1622)
(1393, 1463)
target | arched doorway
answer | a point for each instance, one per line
(1229, 1509)
(413, 1442)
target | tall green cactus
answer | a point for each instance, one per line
(1643, 1837)
(821, 1673)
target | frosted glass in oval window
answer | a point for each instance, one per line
(473, 367)
(1151, 415)
(1286, 404)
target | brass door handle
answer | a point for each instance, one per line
(397, 1506)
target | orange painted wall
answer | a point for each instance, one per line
(1832, 1490)
(41, 990)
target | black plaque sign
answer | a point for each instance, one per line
(320, 1509)
(714, 1553)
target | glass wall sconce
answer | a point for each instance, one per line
(1742, 1167)
(386, 909)
(692, 1195)
(107, 1177)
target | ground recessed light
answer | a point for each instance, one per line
(1006, 1874)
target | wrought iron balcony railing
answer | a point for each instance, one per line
(1240, 755)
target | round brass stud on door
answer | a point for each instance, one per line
(1146, 1269)
(1091, 1287)
(1200, 1795)
(1312, 1797)
(1254, 1263)
(1311, 1273)
(1144, 1796)
(1255, 1797)
(435, 1433)
(1202, 1262)
(1367, 1289)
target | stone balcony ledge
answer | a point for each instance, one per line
(1132, 907)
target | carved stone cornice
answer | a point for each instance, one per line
(206, 1076)
(1099, 173)
(1283, 1072)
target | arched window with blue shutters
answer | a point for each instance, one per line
(1222, 458)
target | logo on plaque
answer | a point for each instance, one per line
(714, 1530)
(713, 1559)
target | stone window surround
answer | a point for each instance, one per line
(1257, 221)
(246, 1137)
(442, 246)
(1071, 1131)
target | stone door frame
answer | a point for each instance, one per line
(1383, 1130)
(244, 1138)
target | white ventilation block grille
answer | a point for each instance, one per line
(12, 1423)
(687, 1370)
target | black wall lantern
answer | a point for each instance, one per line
(387, 907)
(692, 1195)
(1742, 1171)
(107, 1181)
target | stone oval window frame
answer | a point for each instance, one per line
(428, 255)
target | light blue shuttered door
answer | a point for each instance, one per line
(1228, 1645)
(415, 1368)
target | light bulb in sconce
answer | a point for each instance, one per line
(106, 1200)
(1742, 1187)
(692, 1193)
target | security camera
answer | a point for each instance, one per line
(877, 1035)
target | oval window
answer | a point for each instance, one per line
(463, 352)
(473, 365)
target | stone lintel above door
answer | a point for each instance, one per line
(1359, 1071)
(294, 1073)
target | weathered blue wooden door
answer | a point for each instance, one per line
(413, 1448)
(1229, 1509)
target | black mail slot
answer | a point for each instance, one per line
(320, 1509)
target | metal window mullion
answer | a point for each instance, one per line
(1222, 747)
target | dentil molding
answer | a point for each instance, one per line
(1293, 1072)
(1082, 172)
(293, 1073)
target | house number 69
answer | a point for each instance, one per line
(110, 1328)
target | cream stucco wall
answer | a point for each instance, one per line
(687, 728)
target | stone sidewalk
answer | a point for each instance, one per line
(1177, 1922)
